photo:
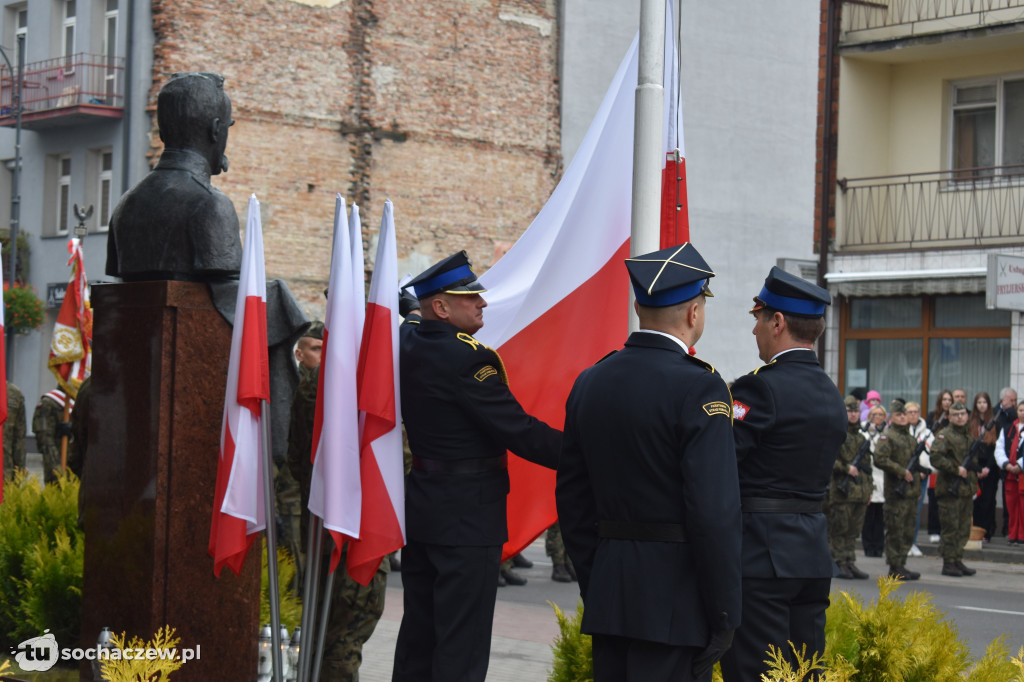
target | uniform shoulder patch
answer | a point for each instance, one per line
(717, 407)
(485, 372)
(739, 410)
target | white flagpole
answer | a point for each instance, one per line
(647, 135)
(270, 516)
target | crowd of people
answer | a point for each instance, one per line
(955, 456)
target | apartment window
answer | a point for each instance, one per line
(68, 31)
(105, 185)
(110, 49)
(988, 126)
(63, 195)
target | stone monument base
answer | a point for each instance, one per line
(159, 369)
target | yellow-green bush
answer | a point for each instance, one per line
(890, 640)
(41, 559)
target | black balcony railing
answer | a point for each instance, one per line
(64, 82)
(859, 15)
(965, 207)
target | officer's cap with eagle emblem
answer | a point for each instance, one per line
(787, 293)
(669, 276)
(453, 275)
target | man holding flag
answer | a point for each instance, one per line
(461, 418)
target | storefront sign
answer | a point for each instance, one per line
(1004, 286)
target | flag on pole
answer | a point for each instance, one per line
(335, 493)
(3, 384)
(380, 444)
(238, 508)
(71, 347)
(565, 275)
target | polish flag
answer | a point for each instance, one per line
(70, 357)
(380, 455)
(238, 510)
(3, 386)
(558, 300)
(335, 493)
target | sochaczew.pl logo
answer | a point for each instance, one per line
(39, 654)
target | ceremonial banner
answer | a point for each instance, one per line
(238, 507)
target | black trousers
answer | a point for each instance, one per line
(449, 594)
(776, 611)
(623, 659)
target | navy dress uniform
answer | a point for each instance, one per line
(647, 493)
(790, 421)
(461, 418)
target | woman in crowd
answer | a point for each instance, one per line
(873, 534)
(937, 420)
(1009, 457)
(981, 417)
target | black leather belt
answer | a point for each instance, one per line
(648, 532)
(459, 466)
(774, 505)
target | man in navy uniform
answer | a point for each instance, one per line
(647, 492)
(790, 421)
(461, 418)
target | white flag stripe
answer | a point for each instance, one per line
(335, 493)
(243, 497)
(384, 292)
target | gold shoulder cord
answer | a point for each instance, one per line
(468, 339)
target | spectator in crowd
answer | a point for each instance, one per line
(982, 417)
(873, 532)
(918, 428)
(938, 419)
(1009, 458)
(873, 399)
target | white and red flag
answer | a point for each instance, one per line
(238, 508)
(335, 493)
(558, 300)
(380, 443)
(71, 347)
(3, 384)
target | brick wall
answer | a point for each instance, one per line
(448, 107)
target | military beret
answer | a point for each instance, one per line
(452, 275)
(792, 295)
(669, 276)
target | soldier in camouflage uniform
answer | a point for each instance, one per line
(893, 453)
(955, 509)
(288, 496)
(49, 427)
(355, 609)
(846, 509)
(14, 432)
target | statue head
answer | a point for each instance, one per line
(193, 112)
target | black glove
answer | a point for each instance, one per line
(720, 642)
(407, 303)
(63, 429)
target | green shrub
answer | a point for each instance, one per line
(41, 559)
(890, 639)
(291, 606)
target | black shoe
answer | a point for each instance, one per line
(856, 572)
(964, 569)
(512, 578)
(519, 561)
(844, 572)
(560, 574)
(950, 568)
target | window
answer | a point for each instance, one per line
(987, 126)
(105, 185)
(63, 195)
(913, 347)
(68, 32)
(110, 49)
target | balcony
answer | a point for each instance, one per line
(65, 91)
(865, 21)
(971, 207)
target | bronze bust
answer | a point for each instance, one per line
(173, 225)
